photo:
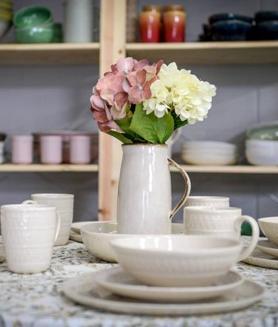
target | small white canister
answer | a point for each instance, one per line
(80, 149)
(51, 149)
(78, 26)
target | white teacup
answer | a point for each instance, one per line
(64, 206)
(223, 222)
(208, 201)
(29, 232)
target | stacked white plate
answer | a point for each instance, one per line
(262, 152)
(209, 153)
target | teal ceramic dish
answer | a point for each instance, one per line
(266, 132)
(32, 16)
(35, 34)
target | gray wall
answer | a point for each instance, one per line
(41, 98)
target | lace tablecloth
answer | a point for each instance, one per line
(36, 300)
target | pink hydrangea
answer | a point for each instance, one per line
(127, 84)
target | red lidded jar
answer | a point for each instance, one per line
(174, 23)
(150, 24)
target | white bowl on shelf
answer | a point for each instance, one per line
(208, 158)
(262, 153)
(209, 145)
(177, 260)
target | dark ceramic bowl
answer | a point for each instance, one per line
(267, 30)
(229, 16)
(263, 16)
(230, 30)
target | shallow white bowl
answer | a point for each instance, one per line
(97, 236)
(269, 226)
(261, 158)
(209, 145)
(177, 260)
(208, 158)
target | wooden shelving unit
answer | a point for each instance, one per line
(51, 53)
(39, 168)
(207, 53)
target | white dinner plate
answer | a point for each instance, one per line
(121, 283)
(260, 259)
(83, 290)
(268, 247)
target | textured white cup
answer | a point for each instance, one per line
(220, 222)
(80, 149)
(29, 232)
(64, 206)
(208, 201)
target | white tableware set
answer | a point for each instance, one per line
(209, 153)
(32, 228)
(170, 274)
(266, 252)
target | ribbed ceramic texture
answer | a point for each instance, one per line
(172, 270)
(28, 239)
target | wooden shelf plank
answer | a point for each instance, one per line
(231, 169)
(211, 53)
(49, 53)
(48, 168)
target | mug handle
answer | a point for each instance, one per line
(58, 227)
(29, 202)
(255, 235)
(186, 190)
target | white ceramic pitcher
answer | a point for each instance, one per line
(144, 196)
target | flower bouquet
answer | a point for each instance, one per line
(142, 104)
(139, 102)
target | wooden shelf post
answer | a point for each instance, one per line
(112, 40)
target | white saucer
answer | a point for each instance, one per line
(268, 247)
(121, 283)
(75, 237)
(97, 236)
(260, 259)
(83, 290)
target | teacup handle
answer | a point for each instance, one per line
(255, 235)
(58, 226)
(186, 190)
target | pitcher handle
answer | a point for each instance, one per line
(186, 190)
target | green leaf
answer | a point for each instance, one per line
(178, 122)
(121, 137)
(149, 127)
(124, 124)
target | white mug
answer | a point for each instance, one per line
(224, 222)
(29, 232)
(64, 206)
(208, 201)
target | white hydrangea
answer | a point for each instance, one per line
(181, 91)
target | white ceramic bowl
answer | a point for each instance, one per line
(210, 145)
(177, 260)
(208, 158)
(97, 236)
(269, 226)
(260, 152)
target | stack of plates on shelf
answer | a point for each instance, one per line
(97, 237)
(266, 252)
(262, 152)
(167, 275)
(209, 153)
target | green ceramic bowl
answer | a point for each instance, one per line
(32, 16)
(35, 34)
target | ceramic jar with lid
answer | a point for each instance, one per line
(174, 23)
(150, 24)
